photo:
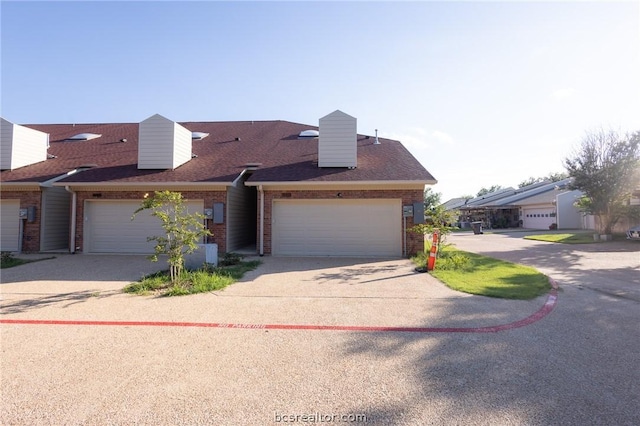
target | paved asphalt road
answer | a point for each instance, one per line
(579, 365)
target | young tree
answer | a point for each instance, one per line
(606, 167)
(437, 220)
(182, 229)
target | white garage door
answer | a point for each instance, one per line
(109, 228)
(10, 225)
(538, 218)
(337, 228)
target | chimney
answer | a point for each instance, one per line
(162, 144)
(21, 146)
(337, 144)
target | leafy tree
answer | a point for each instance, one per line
(485, 191)
(182, 229)
(606, 167)
(555, 177)
(552, 177)
(530, 181)
(467, 196)
(431, 199)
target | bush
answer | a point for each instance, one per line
(6, 256)
(446, 260)
(230, 259)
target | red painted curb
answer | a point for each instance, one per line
(548, 306)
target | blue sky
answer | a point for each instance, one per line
(481, 93)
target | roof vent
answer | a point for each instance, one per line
(83, 137)
(377, 142)
(198, 136)
(309, 134)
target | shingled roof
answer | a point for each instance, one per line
(221, 157)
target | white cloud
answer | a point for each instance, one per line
(563, 94)
(442, 137)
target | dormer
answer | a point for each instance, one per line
(162, 144)
(21, 146)
(337, 143)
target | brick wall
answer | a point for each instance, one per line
(415, 242)
(218, 230)
(31, 230)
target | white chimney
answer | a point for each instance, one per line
(337, 144)
(21, 146)
(162, 144)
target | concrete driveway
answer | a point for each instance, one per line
(577, 365)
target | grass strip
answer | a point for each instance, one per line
(191, 282)
(486, 276)
(570, 238)
(14, 261)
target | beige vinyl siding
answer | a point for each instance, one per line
(337, 144)
(108, 227)
(55, 219)
(569, 217)
(162, 144)
(21, 146)
(359, 228)
(6, 144)
(9, 225)
(181, 146)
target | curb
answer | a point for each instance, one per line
(552, 299)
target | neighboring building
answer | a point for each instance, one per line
(275, 187)
(536, 206)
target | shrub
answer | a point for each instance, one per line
(230, 259)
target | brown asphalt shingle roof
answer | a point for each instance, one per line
(284, 157)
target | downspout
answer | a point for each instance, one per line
(261, 220)
(72, 225)
(21, 234)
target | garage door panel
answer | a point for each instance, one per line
(540, 218)
(337, 228)
(10, 225)
(109, 228)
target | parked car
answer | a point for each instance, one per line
(634, 233)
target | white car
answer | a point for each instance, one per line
(634, 233)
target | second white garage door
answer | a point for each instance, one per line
(538, 218)
(337, 228)
(108, 227)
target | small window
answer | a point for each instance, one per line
(198, 135)
(83, 137)
(309, 134)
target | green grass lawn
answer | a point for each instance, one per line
(486, 276)
(8, 261)
(570, 238)
(191, 282)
